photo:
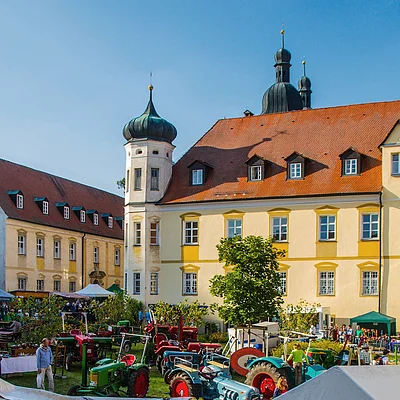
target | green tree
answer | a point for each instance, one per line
(121, 183)
(250, 292)
(299, 317)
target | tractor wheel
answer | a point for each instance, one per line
(138, 383)
(68, 362)
(159, 361)
(168, 376)
(127, 346)
(263, 377)
(73, 390)
(182, 386)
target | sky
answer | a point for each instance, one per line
(73, 72)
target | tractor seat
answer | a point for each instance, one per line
(74, 332)
(128, 359)
(207, 372)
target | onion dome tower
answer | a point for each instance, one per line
(281, 96)
(150, 125)
(305, 88)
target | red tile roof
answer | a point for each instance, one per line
(33, 183)
(320, 135)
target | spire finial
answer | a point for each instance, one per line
(304, 66)
(283, 37)
(151, 87)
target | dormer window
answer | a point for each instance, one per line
(45, 207)
(256, 168)
(66, 212)
(43, 204)
(93, 216)
(82, 216)
(95, 219)
(20, 201)
(63, 208)
(17, 197)
(108, 219)
(295, 166)
(351, 162)
(120, 221)
(199, 172)
(110, 222)
(80, 213)
(197, 177)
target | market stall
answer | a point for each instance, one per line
(376, 321)
(16, 365)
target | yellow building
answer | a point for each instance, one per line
(56, 234)
(325, 183)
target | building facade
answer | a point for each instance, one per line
(55, 234)
(325, 183)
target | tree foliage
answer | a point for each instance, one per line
(299, 317)
(117, 308)
(169, 313)
(121, 183)
(250, 292)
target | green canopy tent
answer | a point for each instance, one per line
(375, 320)
(115, 288)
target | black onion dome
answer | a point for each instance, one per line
(304, 83)
(282, 56)
(150, 125)
(281, 97)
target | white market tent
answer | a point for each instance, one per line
(94, 291)
(377, 382)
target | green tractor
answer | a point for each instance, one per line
(109, 377)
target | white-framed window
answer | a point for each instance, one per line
(395, 164)
(190, 283)
(72, 286)
(22, 244)
(95, 219)
(197, 177)
(110, 222)
(280, 229)
(191, 232)
(96, 255)
(350, 166)
(155, 179)
(72, 251)
(39, 247)
(57, 285)
(327, 227)
(154, 233)
(82, 214)
(283, 283)
(370, 226)
(57, 249)
(22, 283)
(20, 201)
(117, 257)
(137, 233)
(40, 285)
(369, 283)
(326, 283)
(138, 179)
(154, 283)
(233, 227)
(255, 173)
(66, 212)
(45, 207)
(136, 283)
(295, 170)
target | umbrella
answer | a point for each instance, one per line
(115, 288)
(95, 291)
(4, 296)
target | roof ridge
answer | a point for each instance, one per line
(60, 177)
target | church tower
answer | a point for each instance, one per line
(149, 151)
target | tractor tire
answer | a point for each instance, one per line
(182, 386)
(73, 390)
(168, 376)
(126, 348)
(264, 377)
(159, 361)
(138, 383)
(68, 362)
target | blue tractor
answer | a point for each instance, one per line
(211, 380)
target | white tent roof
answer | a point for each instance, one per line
(362, 383)
(94, 290)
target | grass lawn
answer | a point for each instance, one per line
(158, 388)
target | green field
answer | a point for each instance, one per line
(158, 388)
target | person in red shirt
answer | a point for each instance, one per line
(281, 387)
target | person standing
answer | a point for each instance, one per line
(298, 355)
(44, 358)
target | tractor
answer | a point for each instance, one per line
(210, 381)
(108, 376)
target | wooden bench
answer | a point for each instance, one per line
(217, 364)
(186, 367)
